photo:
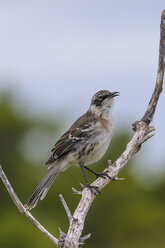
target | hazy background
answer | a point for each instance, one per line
(54, 55)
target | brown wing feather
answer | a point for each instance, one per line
(74, 135)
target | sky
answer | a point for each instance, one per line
(54, 55)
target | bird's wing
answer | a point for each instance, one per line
(74, 135)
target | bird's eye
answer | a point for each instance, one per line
(102, 97)
(99, 100)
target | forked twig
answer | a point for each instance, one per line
(143, 132)
(66, 207)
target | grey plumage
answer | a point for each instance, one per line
(43, 187)
(84, 143)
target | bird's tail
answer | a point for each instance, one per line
(41, 190)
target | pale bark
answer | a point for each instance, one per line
(143, 131)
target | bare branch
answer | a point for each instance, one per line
(148, 116)
(23, 210)
(75, 191)
(66, 207)
(142, 134)
(82, 239)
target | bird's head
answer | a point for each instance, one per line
(102, 102)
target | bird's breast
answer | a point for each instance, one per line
(98, 143)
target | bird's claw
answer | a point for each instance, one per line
(93, 189)
(104, 175)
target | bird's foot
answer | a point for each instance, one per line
(104, 175)
(94, 189)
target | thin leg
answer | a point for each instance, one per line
(85, 177)
(95, 188)
(103, 175)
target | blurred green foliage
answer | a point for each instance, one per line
(124, 215)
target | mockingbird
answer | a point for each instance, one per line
(84, 143)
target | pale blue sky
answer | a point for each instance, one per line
(56, 54)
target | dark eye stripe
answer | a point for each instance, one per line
(104, 97)
(99, 100)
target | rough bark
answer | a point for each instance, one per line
(143, 131)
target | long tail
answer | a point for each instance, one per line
(41, 190)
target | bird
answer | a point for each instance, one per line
(84, 143)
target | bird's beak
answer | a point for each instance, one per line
(113, 94)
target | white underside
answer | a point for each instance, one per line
(102, 139)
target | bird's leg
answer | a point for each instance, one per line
(103, 174)
(95, 188)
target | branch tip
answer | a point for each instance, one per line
(163, 14)
(119, 178)
(76, 191)
(82, 239)
(109, 162)
(66, 207)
